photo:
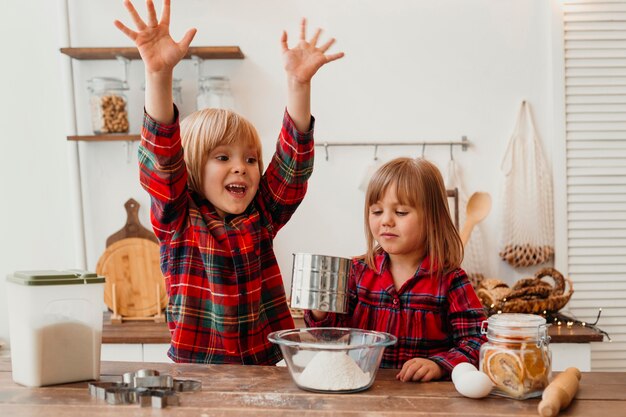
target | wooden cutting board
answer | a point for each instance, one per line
(132, 228)
(131, 261)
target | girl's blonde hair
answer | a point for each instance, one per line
(204, 130)
(418, 183)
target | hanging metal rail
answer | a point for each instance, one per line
(463, 143)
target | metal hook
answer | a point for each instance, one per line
(423, 149)
(451, 153)
(326, 149)
(375, 152)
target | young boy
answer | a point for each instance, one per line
(214, 213)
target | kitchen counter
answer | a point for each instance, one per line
(231, 390)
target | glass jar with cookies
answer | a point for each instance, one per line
(108, 105)
(516, 356)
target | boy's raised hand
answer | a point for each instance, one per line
(159, 52)
(303, 60)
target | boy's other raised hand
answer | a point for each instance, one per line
(159, 52)
(303, 60)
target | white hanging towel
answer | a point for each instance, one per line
(369, 172)
(475, 251)
(527, 206)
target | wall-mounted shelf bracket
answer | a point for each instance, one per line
(125, 64)
(197, 62)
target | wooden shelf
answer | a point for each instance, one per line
(574, 334)
(143, 331)
(204, 52)
(134, 331)
(106, 138)
(150, 332)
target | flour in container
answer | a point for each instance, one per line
(333, 371)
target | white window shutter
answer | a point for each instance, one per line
(595, 115)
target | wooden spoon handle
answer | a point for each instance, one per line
(466, 231)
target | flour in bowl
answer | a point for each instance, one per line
(333, 371)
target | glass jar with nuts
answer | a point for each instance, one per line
(108, 105)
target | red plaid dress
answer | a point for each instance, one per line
(225, 289)
(437, 319)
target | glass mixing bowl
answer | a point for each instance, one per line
(332, 359)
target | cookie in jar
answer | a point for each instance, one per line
(516, 356)
(108, 105)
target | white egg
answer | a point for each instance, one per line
(461, 369)
(473, 384)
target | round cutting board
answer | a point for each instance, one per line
(132, 264)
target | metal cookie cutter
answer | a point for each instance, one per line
(158, 398)
(120, 395)
(147, 372)
(129, 377)
(99, 389)
(145, 387)
(186, 385)
(157, 381)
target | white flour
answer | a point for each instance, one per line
(333, 371)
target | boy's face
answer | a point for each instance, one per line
(398, 228)
(231, 178)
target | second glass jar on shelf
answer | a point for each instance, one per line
(215, 92)
(177, 90)
(108, 102)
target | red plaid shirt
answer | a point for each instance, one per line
(432, 318)
(225, 289)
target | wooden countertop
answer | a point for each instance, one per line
(232, 390)
(150, 332)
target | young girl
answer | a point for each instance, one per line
(409, 282)
(213, 212)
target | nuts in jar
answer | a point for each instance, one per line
(516, 356)
(108, 105)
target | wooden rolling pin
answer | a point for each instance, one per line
(559, 393)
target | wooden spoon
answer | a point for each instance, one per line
(478, 207)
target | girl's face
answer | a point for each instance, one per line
(231, 178)
(398, 228)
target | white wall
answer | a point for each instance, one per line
(35, 215)
(414, 70)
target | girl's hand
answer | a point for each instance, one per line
(303, 60)
(319, 315)
(419, 369)
(159, 52)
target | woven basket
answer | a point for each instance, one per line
(529, 295)
(551, 304)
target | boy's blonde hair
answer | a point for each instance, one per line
(418, 184)
(204, 130)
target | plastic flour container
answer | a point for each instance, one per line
(55, 326)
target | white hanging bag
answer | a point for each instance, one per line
(527, 212)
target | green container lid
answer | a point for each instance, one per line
(66, 277)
